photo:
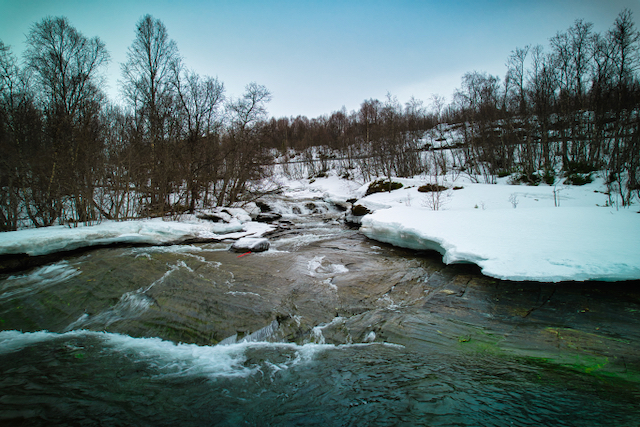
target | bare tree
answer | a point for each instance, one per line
(198, 99)
(573, 53)
(12, 170)
(543, 84)
(242, 150)
(369, 120)
(479, 100)
(67, 68)
(625, 157)
(147, 86)
(600, 95)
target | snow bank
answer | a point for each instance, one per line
(548, 245)
(533, 241)
(42, 241)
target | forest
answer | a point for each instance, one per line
(178, 143)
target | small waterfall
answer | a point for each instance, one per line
(260, 335)
(316, 335)
(130, 306)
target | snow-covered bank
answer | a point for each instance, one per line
(547, 245)
(42, 241)
(514, 232)
(234, 223)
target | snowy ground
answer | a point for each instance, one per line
(513, 232)
(541, 233)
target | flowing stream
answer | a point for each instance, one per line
(326, 328)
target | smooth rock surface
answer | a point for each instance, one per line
(253, 244)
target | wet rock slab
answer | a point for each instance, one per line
(339, 290)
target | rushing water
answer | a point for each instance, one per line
(92, 377)
(327, 328)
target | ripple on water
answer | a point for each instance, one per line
(90, 377)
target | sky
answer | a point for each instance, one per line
(318, 56)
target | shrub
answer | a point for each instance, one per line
(528, 179)
(579, 168)
(321, 174)
(578, 179)
(549, 176)
(381, 186)
(429, 188)
(359, 210)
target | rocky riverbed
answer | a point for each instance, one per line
(322, 283)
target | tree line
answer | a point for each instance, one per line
(573, 107)
(179, 143)
(70, 155)
(570, 109)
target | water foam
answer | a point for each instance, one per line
(37, 280)
(169, 358)
(317, 266)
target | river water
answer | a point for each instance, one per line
(326, 328)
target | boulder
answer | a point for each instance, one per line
(354, 216)
(210, 217)
(360, 210)
(250, 244)
(268, 217)
(431, 188)
(263, 206)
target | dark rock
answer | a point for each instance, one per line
(431, 188)
(342, 207)
(210, 217)
(263, 206)
(250, 244)
(381, 186)
(359, 210)
(353, 218)
(268, 217)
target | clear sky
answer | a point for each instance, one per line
(317, 56)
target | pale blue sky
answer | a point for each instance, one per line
(317, 56)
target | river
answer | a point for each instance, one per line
(326, 328)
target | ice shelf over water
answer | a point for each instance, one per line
(548, 245)
(514, 232)
(42, 241)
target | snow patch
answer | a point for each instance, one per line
(253, 244)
